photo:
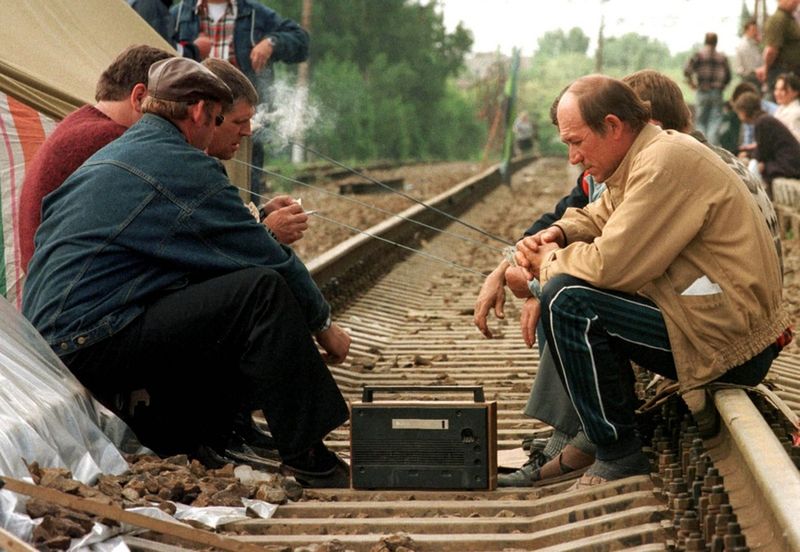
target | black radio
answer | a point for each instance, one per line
(423, 444)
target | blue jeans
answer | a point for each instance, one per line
(594, 334)
(709, 113)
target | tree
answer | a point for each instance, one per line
(404, 56)
(556, 43)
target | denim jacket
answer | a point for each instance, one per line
(146, 213)
(254, 23)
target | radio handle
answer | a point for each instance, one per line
(476, 390)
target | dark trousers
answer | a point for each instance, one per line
(593, 335)
(212, 348)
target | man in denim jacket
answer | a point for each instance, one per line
(150, 273)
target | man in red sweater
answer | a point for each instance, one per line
(119, 94)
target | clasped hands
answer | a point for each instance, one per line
(529, 256)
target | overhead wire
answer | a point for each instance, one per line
(398, 192)
(370, 206)
(431, 256)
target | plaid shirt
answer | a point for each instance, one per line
(220, 32)
(708, 70)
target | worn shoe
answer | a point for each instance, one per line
(235, 451)
(259, 441)
(603, 471)
(318, 467)
(570, 462)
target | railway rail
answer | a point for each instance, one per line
(411, 324)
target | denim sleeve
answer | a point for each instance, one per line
(220, 234)
(292, 40)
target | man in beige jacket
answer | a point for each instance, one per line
(673, 267)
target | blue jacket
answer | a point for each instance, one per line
(146, 213)
(254, 23)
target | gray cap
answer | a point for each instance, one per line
(180, 79)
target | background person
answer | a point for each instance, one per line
(781, 45)
(748, 55)
(777, 150)
(787, 90)
(249, 35)
(708, 74)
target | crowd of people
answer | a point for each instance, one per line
(146, 271)
(768, 74)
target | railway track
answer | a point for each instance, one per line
(411, 323)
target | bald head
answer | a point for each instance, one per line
(598, 119)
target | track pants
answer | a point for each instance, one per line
(593, 335)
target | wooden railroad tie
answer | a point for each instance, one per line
(177, 529)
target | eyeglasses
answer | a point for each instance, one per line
(219, 119)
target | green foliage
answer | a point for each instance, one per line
(632, 52)
(380, 73)
(558, 43)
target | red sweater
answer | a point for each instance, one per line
(74, 140)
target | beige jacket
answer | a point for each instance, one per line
(677, 225)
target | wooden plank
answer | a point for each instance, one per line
(116, 513)
(11, 543)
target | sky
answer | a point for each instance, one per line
(680, 24)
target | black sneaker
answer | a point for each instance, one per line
(257, 440)
(235, 451)
(318, 467)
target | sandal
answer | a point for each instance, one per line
(570, 463)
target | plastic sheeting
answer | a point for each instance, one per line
(45, 413)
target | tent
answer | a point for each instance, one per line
(60, 48)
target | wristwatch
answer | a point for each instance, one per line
(535, 287)
(325, 326)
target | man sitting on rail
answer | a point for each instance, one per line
(673, 268)
(150, 273)
(548, 400)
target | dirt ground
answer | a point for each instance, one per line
(535, 189)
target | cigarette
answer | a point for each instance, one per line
(311, 212)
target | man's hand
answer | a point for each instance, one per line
(336, 343)
(531, 254)
(286, 219)
(203, 44)
(529, 318)
(277, 202)
(260, 54)
(517, 279)
(491, 295)
(761, 73)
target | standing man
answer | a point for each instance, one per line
(708, 73)
(748, 53)
(119, 94)
(250, 36)
(150, 273)
(781, 45)
(673, 268)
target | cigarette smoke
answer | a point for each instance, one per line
(288, 116)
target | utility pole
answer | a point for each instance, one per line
(302, 89)
(598, 57)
